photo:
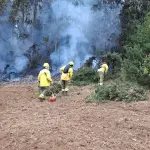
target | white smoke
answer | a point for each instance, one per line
(84, 27)
(74, 26)
(21, 63)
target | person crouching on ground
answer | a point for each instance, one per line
(67, 73)
(102, 71)
(44, 79)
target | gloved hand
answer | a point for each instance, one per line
(98, 70)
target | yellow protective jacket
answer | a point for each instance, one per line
(103, 68)
(44, 78)
(66, 76)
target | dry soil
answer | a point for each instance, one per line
(70, 123)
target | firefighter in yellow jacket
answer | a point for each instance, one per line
(102, 70)
(67, 73)
(44, 79)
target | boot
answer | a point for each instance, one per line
(63, 93)
(66, 93)
(41, 97)
(100, 84)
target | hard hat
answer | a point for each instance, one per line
(103, 66)
(71, 63)
(46, 65)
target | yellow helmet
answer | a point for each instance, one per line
(71, 63)
(103, 66)
(46, 65)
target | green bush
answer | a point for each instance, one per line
(132, 65)
(136, 57)
(87, 75)
(118, 91)
(84, 76)
(54, 89)
(144, 80)
(114, 61)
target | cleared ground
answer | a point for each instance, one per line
(70, 123)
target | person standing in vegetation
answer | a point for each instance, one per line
(67, 73)
(102, 71)
(44, 79)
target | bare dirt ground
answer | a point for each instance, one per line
(70, 123)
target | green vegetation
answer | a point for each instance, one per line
(136, 64)
(114, 62)
(87, 75)
(118, 91)
(133, 70)
(84, 76)
(54, 89)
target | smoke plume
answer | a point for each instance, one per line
(76, 27)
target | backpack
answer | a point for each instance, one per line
(66, 69)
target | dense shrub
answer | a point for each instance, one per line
(118, 91)
(84, 76)
(114, 62)
(137, 59)
(54, 89)
(132, 16)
